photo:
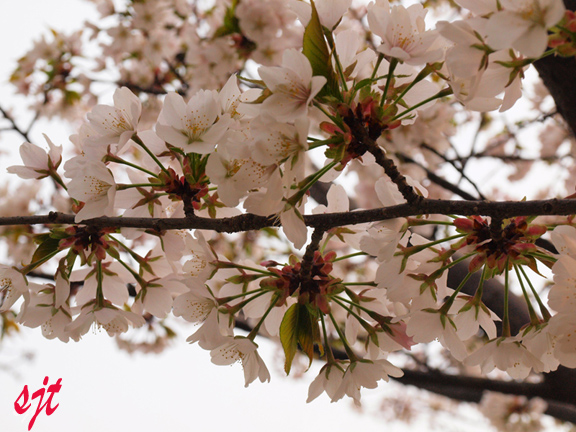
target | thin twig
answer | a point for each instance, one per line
(14, 125)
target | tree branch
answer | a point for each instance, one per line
(249, 222)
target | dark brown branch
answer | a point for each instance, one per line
(367, 143)
(308, 258)
(471, 389)
(392, 171)
(248, 222)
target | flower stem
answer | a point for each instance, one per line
(138, 141)
(440, 94)
(347, 348)
(121, 161)
(391, 68)
(506, 316)
(256, 328)
(543, 310)
(343, 257)
(329, 354)
(533, 317)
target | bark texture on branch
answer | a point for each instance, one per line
(248, 221)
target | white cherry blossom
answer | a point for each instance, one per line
(364, 373)
(42, 309)
(426, 325)
(12, 286)
(293, 87)
(116, 124)
(563, 330)
(470, 316)
(195, 305)
(195, 127)
(108, 317)
(93, 184)
(403, 33)
(241, 349)
(541, 342)
(277, 142)
(328, 380)
(158, 296)
(506, 354)
(464, 58)
(523, 25)
(235, 176)
(37, 163)
(329, 11)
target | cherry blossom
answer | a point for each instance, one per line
(279, 142)
(328, 380)
(562, 330)
(403, 33)
(427, 325)
(37, 163)
(293, 87)
(108, 317)
(523, 25)
(235, 176)
(470, 315)
(12, 286)
(195, 305)
(540, 341)
(94, 185)
(41, 309)
(464, 59)
(329, 11)
(364, 373)
(506, 354)
(242, 350)
(158, 295)
(196, 126)
(116, 124)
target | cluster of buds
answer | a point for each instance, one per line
(82, 239)
(179, 188)
(311, 287)
(510, 242)
(563, 36)
(344, 145)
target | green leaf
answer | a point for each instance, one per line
(45, 250)
(288, 335)
(306, 334)
(299, 327)
(230, 25)
(315, 49)
(363, 83)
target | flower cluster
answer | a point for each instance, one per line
(188, 142)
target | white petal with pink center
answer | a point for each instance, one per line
(293, 87)
(115, 124)
(95, 186)
(36, 160)
(195, 127)
(241, 349)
